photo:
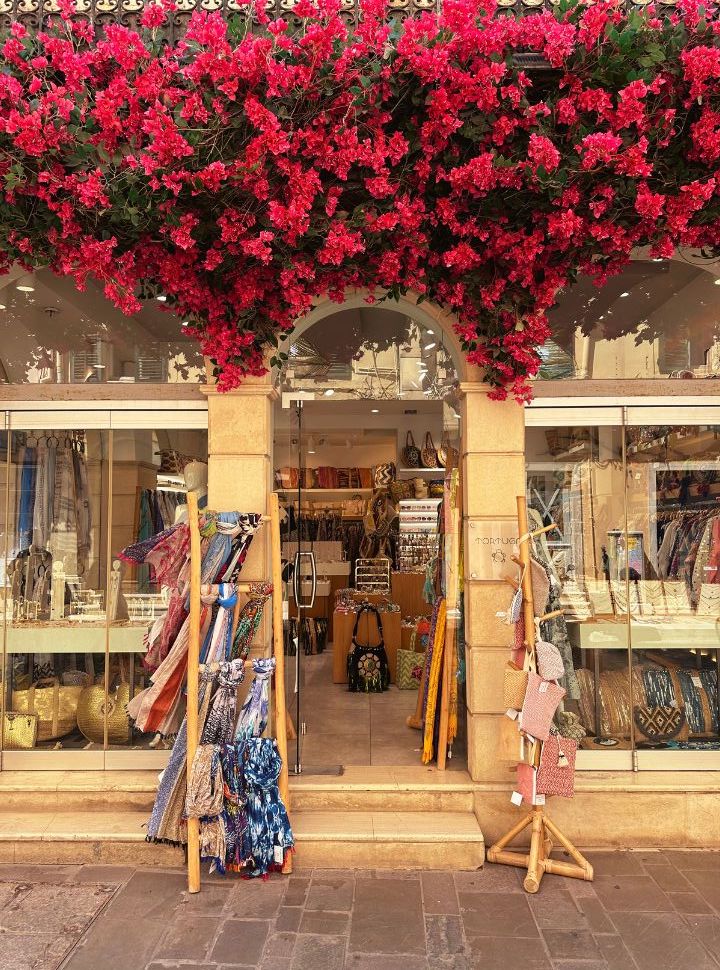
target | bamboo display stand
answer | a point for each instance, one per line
(537, 859)
(280, 712)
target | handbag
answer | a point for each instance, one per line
(410, 665)
(367, 667)
(91, 713)
(541, 701)
(400, 490)
(515, 683)
(19, 731)
(428, 455)
(436, 488)
(384, 474)
(411, 452)
(446, 454)
(55, 706)
(549, 661)
(658, 724)
(556, 774)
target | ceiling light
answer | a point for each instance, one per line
(2, 306)
(375, 411)
(626, 293)
(25, 288)
(329, 392)
(185, 323)
(429, 346)
(99, 366)
(717, 281)
(162, 298)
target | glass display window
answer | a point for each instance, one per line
(637, 505)
(76, 618)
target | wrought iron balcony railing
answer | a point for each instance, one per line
(33, 13)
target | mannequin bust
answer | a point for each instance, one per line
(196, 480)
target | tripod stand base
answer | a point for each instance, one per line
(538, 861)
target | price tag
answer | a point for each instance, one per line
(696, 680)
(512, 714)
(279, 854)
(516, 798)
(539, 799)
(543, 687)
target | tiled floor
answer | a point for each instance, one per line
(645, 911)
(356, 729)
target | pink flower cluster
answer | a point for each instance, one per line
(244, 174)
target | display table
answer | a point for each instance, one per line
(407, 592)
(343, 624)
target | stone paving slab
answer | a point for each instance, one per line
(645, 911)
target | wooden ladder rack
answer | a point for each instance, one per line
(193, 847)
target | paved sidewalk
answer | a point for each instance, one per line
(645, 911)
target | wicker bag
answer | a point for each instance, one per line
(55, 706)
(515, 684)
(428, 455)
(446, 454)
(411, 452)
(91, 714)
(19, 731)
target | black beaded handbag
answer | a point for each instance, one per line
(368, 669)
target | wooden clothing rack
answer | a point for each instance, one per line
(537, 860)
(280, 712)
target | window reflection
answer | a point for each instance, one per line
(657, 319)
(54, 334)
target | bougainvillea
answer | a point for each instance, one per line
(245, 173)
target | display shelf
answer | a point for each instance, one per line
(323, 491)
(419, 501)
(423, 471)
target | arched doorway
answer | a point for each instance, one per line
(361, 383)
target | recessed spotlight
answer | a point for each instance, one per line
(162, 298)
(25, 288)
(329, 392)
(717, 281)
(185, 323)
(375, 411)
(2, 306)
(626, 293)
(429, 346)
(99, 366)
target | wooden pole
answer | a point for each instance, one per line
(278, 649)
(193, 824)
(281, 733)
(451, 601)
(537, 860)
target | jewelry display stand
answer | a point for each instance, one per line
(537, 859)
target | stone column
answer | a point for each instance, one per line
(240, 472)
(493, 446)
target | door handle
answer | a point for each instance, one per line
(297, 579)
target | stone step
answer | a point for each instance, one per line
(355, 840)
(358, 789)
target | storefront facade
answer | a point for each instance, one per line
(613, 460)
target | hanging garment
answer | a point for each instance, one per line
(268, 838)
(254, 713)
(26, 500)
(220, 722)
(44, 489)
(234, 816)
(434, 678)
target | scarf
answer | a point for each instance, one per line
(254, 713)
(434, 680)
(205, 786)
(268, 837)
(220, 723)
(83, 513)
(249, 620)
(64, 508)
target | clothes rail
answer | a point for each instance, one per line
(194, 667)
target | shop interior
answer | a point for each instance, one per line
(636, 565)
(352, 495)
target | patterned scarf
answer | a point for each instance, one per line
(268, 838)
(249, 620)
(220, 723)
(254, 714)
(434, 680)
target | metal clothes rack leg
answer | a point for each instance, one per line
(193, 668)
(537, 860)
